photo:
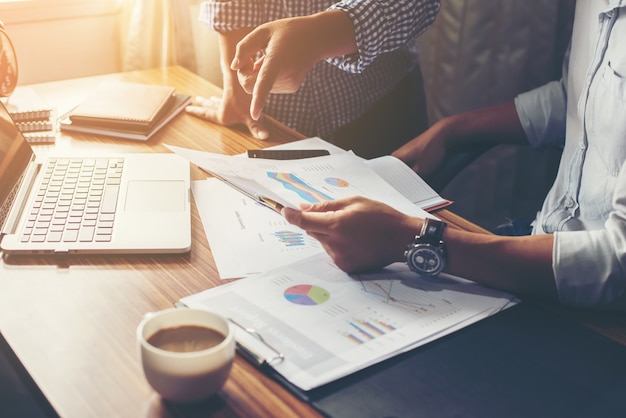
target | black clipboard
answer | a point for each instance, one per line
(526, 361)
(19, 394)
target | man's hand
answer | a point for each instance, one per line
(498, 124)
(424, 153)
(286, 55)
(276, 56)
(359, 234)
(225, 111)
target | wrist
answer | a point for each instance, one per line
(406, 233)
(426, 253)
(451, 131)
(334, 34)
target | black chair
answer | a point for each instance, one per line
(454, 163)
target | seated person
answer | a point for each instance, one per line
(577, 250)
(369, 98)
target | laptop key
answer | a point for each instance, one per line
(109, 198)
(70, 235)
(86, 233)
(54, 236)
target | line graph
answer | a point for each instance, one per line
(395, 293)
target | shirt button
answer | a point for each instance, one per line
(569, 203)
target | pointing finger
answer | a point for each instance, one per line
(262, 87)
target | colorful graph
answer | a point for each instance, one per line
(292, 182)
(306, 294)
(290, 238)
(333, 181)
(362, 331)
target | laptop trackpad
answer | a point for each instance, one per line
(155, 196)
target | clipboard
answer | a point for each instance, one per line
(270, 203)
(524, 361)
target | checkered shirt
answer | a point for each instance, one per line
(339, 90)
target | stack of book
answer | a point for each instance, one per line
(35, 118)
(126, 110)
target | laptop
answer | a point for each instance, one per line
(99, 204)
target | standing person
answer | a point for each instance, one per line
(367, 95)
(577, 250)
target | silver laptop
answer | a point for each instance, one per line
(127, 203)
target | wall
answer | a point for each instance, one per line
(84, 38)
(51, 45)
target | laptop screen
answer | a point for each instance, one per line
(15, 154)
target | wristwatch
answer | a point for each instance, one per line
(426, 254)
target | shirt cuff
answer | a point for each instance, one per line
(583, 268)
(357, 62)
(231, 15)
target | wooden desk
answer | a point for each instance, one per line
(72, 320)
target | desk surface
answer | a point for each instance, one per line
(72, 320)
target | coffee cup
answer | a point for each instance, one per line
(186, 354)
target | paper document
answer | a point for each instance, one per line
(328, 324)
(392, 170)
(287, 183)
(245, 237)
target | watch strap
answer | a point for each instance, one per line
(432, 231)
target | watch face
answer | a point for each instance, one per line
(425, 259)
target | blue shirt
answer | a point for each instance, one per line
(585, 112)
(337, 91)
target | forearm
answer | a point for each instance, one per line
(522, 265)
(331, 34)
(497, 124)
(383, 26)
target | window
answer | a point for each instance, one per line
(20, 11)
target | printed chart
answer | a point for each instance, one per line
(306, 294)
(293, 183)
(364, 330)
(336, 182)
(290, 239)
(396, 294)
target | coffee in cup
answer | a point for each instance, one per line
(186, 354)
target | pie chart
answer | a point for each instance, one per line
(333, 181)
(306, 294)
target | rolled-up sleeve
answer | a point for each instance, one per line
(590, 266)
(542, 113)
(383, 26)
(236, 14)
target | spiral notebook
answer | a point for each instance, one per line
(33, 116)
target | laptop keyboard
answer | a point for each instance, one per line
(76, 201)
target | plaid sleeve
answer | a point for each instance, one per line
(236, 14)
(383, 26)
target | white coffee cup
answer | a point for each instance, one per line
(192, 375)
